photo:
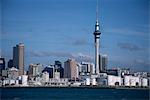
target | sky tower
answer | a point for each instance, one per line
(97, 37)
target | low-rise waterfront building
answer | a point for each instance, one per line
(141, 74)
(45, 77)
(13, 73)
(4, 73)
(102, 79)
(87, 81)
(131, 81)
(114, 80)
(144, 82)
(56, 75)
(24, 80)
(58, 82)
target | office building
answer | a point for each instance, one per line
(86, 68)
(59, 68)
(35, 70)
(10, 63)
(2, 64)
(103, 62)
(18, 57)
(13, 73)
(50, 70)
(71, 69)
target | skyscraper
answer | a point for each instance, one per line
(2, 65)
(18, 57)
(103, 62)
(10, 63)
(97, 38)
(35, 70)
(70, 69)
(50, 70)
(59, 68)
(15, 57)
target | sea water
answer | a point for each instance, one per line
(48, 93)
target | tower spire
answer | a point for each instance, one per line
(97, 28)
(97, 11)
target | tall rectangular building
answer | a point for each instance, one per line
(35, 70)
(70, 69)
(15, 58)
(10, 63)
(2, 65)
(59, 68)
(18, 57)
(103, 62)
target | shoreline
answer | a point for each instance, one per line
(80, 87)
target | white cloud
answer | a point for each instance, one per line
(141, 62)
(77, 56)
(129, 46)
(84, 57)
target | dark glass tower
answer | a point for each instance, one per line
(59, 68)
(2, 63)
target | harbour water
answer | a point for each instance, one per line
(49, 93)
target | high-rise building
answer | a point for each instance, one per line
(18, 57)
(103, 62)
(86, 67)
(15, 57)
(71, 69)
(59, 68)
(50, 70)
(10, 63)
(58, 63)
(35, 70)
(97, 38)
(2, 65)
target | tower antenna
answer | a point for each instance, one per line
(97, 11)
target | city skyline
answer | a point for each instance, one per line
(57, 30)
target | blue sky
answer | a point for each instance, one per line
(60, 29)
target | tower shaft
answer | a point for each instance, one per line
(97, 54)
